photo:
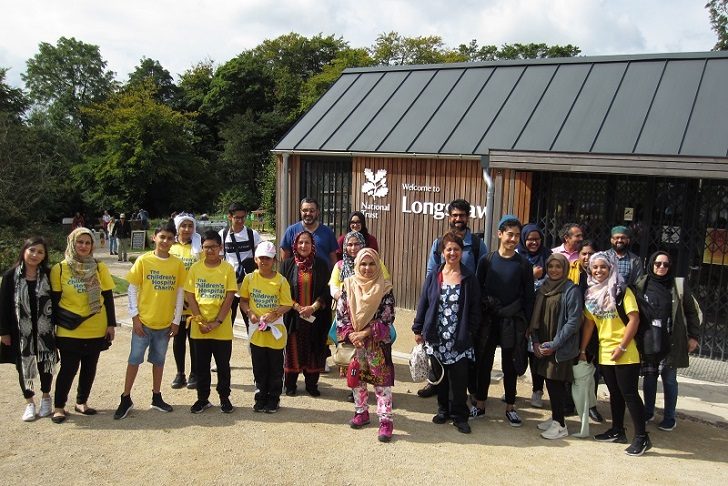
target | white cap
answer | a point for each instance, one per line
(265, 249)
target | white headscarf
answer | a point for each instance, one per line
(196, 238)
(601, 298)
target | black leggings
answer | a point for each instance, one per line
(536, 379)
(622, 381)
(557, 396)
(45, 380)
(179, 347)
(70, 362)
(452, 391)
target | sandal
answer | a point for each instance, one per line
(58, 418)
(86, 410)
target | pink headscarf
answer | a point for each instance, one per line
(601, 298)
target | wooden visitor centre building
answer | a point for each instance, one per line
(635, 140)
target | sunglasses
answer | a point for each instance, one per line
(662, 264)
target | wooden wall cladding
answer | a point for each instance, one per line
(411, 215)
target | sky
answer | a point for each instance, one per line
(181, 33)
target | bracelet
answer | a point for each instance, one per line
(622, 348)
(583, 351)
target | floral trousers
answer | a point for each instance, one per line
(384, 400)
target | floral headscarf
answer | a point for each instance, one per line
(601, 298)
(305, 264)
(347, 268)
(84, 268)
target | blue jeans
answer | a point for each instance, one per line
(669, 388)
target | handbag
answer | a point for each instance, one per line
(343, 354)
(419, 364)
(69, 320)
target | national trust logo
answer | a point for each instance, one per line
(376, 183)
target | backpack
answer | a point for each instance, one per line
(653, 341)
(244, 266)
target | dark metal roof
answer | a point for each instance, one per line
(664, 104)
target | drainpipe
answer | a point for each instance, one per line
(488, 236)
(285, 193)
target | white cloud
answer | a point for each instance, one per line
(183, 32)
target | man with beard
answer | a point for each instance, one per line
(473, 251)
(323, 237)
(629, 265)
(571, 236)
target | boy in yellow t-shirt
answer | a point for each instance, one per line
(187, 248)
(264, 297)
(156, 295)
(209, 291)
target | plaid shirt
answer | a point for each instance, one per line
(624, 263)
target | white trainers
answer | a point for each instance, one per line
(546, 425)
(46, 407)
(537, 399)
(556, 431)
(29, 414)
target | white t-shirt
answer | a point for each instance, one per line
(243, 247)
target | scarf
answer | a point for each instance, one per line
(196, 239)
(347, 267)
(547, 303)
(40, 350)
(601, 298)
(304, 264)
(365, 294)
(84, 268)
(658, 288)
(537, 259)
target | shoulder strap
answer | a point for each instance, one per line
(251, 239)
(475, 244)
(620, 308)
(237, 254)
(224, 237)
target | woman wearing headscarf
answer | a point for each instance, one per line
(554, 328)
(309, 320)
(354, 241)
(532, 247)
(83, 303)
(674, 307)
(357, 223)
(187, 248)
(364, 314)
(448, 316)
(26, 328)
(619, 360)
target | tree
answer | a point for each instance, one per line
(151, 70)
(67, 77)
(12, 100)
(139, 154)
(718, 10)
(393, 49)
(471, 51)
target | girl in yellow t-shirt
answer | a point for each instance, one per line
(265, 296)
(209, 291)
(619, 359)
(81, 287)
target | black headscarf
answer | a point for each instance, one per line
(364, 231)
(659, 288)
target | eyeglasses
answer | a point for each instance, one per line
(533, 240)
(662, 264)
(355, 222)
(210, 247)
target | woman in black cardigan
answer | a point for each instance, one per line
(26, 329)
(309, 320)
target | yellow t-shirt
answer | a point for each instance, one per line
(575, 271)
(74, 299)
(611, 331)
(183, 251)
(157, 280)
(210, 286)
(265, 295)
(337, 281)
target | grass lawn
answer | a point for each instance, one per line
(121, 286)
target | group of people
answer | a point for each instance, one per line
(570, 313)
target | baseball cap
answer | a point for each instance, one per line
(265, 249)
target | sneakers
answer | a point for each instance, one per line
(546, 425)
(29, 414)
(513, 418)
(125, 405)
(271, 408)
(612, 435)
(360, 420)
(595, 415)
(537, 399)
(200, 406)
(46, 407)
(640, 445)
(226, 406)
(192, 382)
(385, 430)
(159, 404)
(259, 407)
(555, 431)
(667, 424)
(463, 427)
(313, 391)
(179, 381)
(476, 412)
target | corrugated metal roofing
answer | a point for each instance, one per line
(664, 104)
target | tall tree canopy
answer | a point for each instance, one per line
(152, 71)
(718, 10)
